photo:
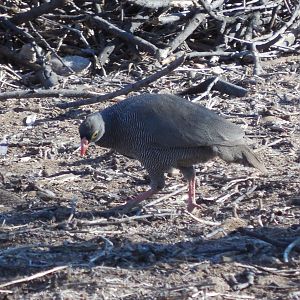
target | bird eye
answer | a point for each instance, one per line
(94, 136)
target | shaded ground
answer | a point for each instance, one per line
(235, 250)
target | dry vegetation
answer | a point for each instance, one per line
(62, 235)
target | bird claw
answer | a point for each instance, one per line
(192, 205)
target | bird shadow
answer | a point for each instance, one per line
(21, 214)
(259, 246)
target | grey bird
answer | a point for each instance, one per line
(163, 132)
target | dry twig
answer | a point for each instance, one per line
(32, 277)
(129, 88)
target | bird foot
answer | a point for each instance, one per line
(192, 205)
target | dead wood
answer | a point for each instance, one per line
(127, 89)
(158, 28)
(221, 85)
(124, 35)
(40, 93)
(8, 25)
(153, 3)
(37, 11)
(10, 56)
(197, 19)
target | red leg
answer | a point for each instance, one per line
(191, 193)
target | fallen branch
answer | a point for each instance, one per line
(128, 88)
(37, 275)
(37, 11)
(6, 292)
(210, 10)
(222, 86)
(189, 29)
(235, 54)
(123, 220)
(46, 93)
(125, 35)
(201, 221)
(154, 202)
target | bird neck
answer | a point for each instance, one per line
(108, 138)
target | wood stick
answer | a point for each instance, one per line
(6, 292)
(25, 94)
(128, 88)
(221, 85)
(37, 11)
(124, 219)
(125, 35)
(201, 221)
(34, 276)
(188, 30)
(154, 202)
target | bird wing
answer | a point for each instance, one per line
(171, 121)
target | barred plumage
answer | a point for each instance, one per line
(165, 131)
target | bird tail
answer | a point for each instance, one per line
(253, 160)
(241, 154)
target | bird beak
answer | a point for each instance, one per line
(83, 146)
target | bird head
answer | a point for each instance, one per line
(91, 130)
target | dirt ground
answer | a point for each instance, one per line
(59, 212)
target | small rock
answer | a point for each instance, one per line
(30, 120)
(45, 194)
(28, 53)
(76, 63)
(3, 146)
